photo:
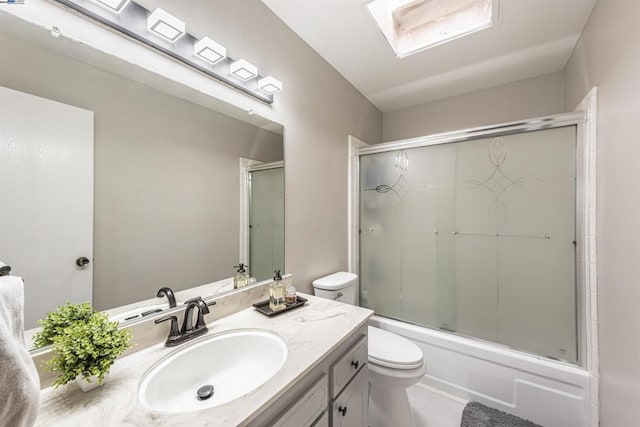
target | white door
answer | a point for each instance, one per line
(46, 199)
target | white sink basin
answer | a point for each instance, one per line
(234, 363)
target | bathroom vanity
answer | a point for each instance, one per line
(322, 382)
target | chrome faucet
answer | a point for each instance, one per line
(169, 294)
(188, 331)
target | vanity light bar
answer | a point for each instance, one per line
(270, 85)
(165, 33)
(166, 25)
(243, 69)
(209, 50)
(114, 5)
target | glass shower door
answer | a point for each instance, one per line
(475, 237)
(266, 222)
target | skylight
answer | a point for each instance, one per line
(411, 26)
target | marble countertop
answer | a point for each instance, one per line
(311, 333)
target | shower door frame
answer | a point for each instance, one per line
(247, 166)
(584, 207)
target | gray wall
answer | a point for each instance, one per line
(524, 99)
(166, 175)
(608, 55)
(318, 109)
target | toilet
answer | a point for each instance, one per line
(395, 363)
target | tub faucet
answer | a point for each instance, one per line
(169, 294)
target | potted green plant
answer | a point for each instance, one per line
(85, 344)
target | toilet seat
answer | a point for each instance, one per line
(393, 351)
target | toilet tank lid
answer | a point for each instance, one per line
(335, 281)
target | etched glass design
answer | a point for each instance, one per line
(476, 238)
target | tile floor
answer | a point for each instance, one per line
(433, 408)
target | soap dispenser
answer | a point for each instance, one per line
(242, 277)
(276, 293)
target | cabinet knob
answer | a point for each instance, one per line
(355, 364)
(342, 410)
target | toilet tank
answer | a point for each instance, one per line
(341, 286)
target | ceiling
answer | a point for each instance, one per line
(532, 38)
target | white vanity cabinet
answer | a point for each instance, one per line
(350, 386)
(334, 393)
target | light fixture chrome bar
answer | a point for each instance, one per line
(132, 21)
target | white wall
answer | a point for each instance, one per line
(608, 55)
(318, 109)
(533, 97)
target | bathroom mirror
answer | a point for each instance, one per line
(116, 182)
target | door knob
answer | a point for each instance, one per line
(82, 261)
(342, 410)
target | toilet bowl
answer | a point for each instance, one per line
(394, 364)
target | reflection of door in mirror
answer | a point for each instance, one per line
(46, 199)
(266, 220)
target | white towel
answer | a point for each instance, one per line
(19, 381)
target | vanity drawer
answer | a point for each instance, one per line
(348, 365)
(308, 407)
(351, 407)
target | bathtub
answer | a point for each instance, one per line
(553, 394)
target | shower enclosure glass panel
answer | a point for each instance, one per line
(476, 238)
(266, 222)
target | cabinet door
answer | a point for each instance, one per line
(307, 408)
(351, 407)
(323, 421)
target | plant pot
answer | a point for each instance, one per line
(88, 384)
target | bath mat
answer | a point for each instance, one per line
(478, 415)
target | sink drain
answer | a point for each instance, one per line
(205, 392)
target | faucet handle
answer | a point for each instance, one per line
(174, 332)
(203, 309)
